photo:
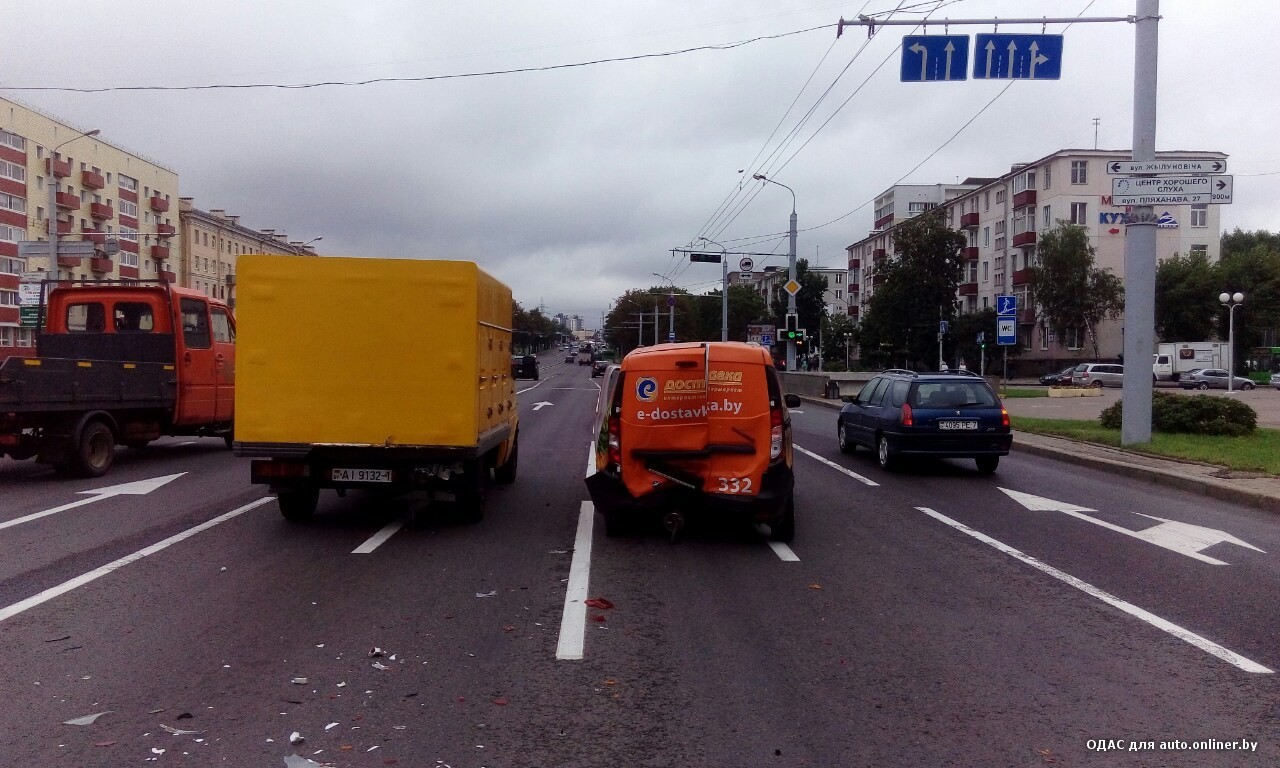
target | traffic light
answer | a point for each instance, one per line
(793, 322)
(982, 340)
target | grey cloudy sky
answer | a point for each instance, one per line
(572, 185)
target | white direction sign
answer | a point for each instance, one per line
(1161, 190)
(1183, 538)
(1222, 189)
(1192, 165)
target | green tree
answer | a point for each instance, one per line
(746, 306)
(1255, 272)
(1071, 292)
(1186, 298)
(962, 339)
(834, 349)
(913, 291)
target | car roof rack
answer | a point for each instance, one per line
(900, 371)
(965, 372)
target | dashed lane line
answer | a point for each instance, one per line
(573, 623)
(9, 612)
(1186, 635)
(379, 538)
(836, 467)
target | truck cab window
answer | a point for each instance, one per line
(133, 317)
(222, 330)
(86, 318)
(195, 324)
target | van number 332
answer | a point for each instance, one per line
(734, 484)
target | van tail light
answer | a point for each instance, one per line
(615, 443)
(907, 419)
(1004, 417)
(775, 429)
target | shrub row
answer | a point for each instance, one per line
(1193, 414)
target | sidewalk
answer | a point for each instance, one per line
(1248, 488)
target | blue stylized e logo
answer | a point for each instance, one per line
(646, 389)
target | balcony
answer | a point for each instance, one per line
(64, 227)
(101, 211)
(159, 204)
(92, 180)
(855, 263)
(68, 201)
(1027, 316)
(168, 276)
(129, 245)
(883, 222)
(969, 220)
(1024, 239)
(853, 310)
(1022, 276)
(166, 230)
(69, 261)
(159, 252)
(1024, 198)
(61, 168)
(968, 289)
(877, 254)
(970, 253)
(100, 264)
(877, 280)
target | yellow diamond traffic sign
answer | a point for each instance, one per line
(792, 287)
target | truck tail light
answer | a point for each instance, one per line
(265, 470)
(615, 441)
(907, 419)
(775, 429)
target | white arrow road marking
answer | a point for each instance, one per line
(1183, 538)
(79, 581)
(573, 622)
(836, 467)
(541, 405)
(136, 488)
(1206, 645)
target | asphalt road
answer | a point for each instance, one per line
(924, 618)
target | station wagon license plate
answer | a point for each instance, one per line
(343, 475)
(957, 425)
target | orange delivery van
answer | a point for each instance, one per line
(693, 427)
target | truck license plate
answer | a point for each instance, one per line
(957, 425)
(342, 475)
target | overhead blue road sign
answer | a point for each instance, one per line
(1006, 304)
(766, 339)
(1017, 57)
(934, 57)
(671, 336)
(942, 326)
(1006, 331)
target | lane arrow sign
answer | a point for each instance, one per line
(991, 54)
(1036, 58)
(541, 405)
(950, 49)
(1183, 538)
(135, 488)
(924, 58)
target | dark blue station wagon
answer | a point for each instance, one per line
(901, 413)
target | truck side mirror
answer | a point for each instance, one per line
(792, 401)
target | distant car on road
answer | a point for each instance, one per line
(1213, 378)
(571, 357)
(524, 367)
(936, 415)
(1060, 377)
(1098, 375)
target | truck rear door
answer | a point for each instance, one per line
(224, 363)
(197, 368)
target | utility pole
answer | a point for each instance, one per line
(671, 327)
(791, 262)
(657, 309)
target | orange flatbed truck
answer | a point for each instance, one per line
(117, 363)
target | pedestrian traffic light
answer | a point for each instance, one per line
(795, 334)
(793, 322)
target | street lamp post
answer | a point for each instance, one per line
(671, 308)
(1231, 301)
(791, 265)
(724, 289)
(53, 197)
(846, 350)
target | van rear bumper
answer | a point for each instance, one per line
(610, 497)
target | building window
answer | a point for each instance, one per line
(8, 298)
(128, 258)
(13, 171)
(1199, 249)
(1000, 195)
(13, 140)
(26, 337)
(916, 208)
(129, 233)
(129, 183)
(1024, 220)
(1078, 213)
(986, 237)
(839, 295)
(1200, 215)
(1047, 172)
(1046, 220)
(128, 209)
(985, 272)
(986, 200)
(839, 278)
(986, 303)
(13, 203)
(1024, 181)
(11, 234)
(1079, 171)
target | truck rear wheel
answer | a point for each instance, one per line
(95, 451)
(506, 474)
(298, 504)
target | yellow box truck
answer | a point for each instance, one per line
(391, 374)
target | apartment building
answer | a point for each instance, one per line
(902, 201)
(1002, 219)
(770, 281)
(99, 190)
(213, 241)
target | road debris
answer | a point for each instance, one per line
(501, 701)
(296, 761)
(376, 652)
(104, 743)
(157, 751)
(330, 726)
(300, 680)
(179, 731)
(184, 716)
(558, 552)
(494, 593)
(296, 738)
(87, 719)
(380, 665)
(598, 602)
(58, 639)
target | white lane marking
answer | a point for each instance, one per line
(97, 573)
(1206, 645)
(379, 538)
(539, 406)
(187, 442)
(836, 467)
(783, 552)
(573, 624)
(591, 460)
(135, 488)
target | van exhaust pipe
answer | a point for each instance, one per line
(673, 522)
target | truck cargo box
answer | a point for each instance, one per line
(380, 352)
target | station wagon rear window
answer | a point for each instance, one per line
(952, 394)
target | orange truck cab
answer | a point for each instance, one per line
(683, 427)
(117, 363)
